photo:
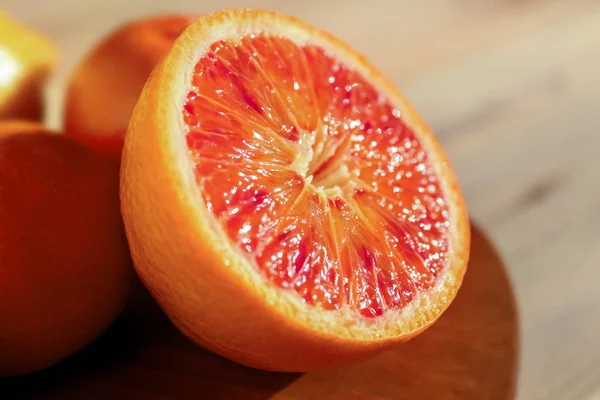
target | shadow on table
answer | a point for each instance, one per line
(470, 353)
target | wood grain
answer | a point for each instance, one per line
(471, 353)
(512, 89)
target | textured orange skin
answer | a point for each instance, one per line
(65, 270)
(106, 85)
(32, 57)
(203, 285)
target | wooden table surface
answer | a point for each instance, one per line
(512, 89)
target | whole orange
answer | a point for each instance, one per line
(26, 60)
(105, 86)
(65, 269)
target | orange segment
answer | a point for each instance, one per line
(258, 136)
(283, 202)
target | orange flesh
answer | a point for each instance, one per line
(314, 176)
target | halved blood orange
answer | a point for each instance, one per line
(284, 203)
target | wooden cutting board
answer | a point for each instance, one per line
(470, 353)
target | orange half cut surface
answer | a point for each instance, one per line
(284, 203)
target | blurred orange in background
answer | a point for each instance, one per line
(105, 87)
(26, 60)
